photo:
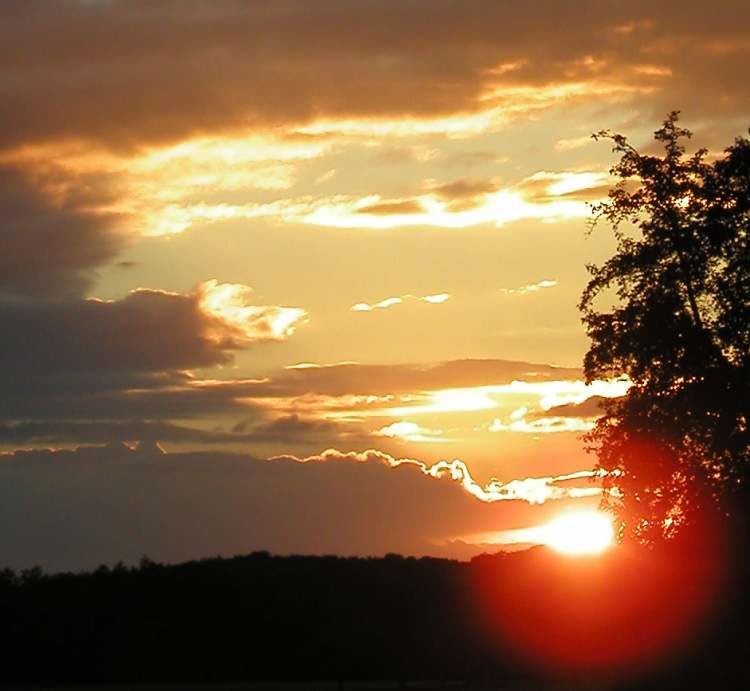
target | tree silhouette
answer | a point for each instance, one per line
(671, 311)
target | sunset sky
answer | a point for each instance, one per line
(302, 275)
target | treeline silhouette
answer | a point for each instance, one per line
(266, 618)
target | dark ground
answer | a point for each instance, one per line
(528, 620)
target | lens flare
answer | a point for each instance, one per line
(616, 614)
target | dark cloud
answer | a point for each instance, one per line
(98, 432)
(283, 430)
(119, 395)
(537, 189)
(464, 190)
(354, 378)
(146, 331)
(590, 408)
(77, 509)
(127, 72)
(121, 403)
(327, 380)
(587, 194)
(50, 242)
(186, 395)
(95, 370)
(290, 427)
(406, 206)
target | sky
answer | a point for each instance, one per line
(303, 276)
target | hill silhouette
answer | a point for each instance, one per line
(634, 616)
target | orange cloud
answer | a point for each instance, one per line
(410, 431)
(542, 425)
(549, 394)
(497, 208)
(566, 417)
(123, 362)
(467, 70)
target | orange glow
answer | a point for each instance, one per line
(548, 394)
(621, 612)
(578, 532)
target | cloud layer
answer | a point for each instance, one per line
(124, 72)
(436, 299)
(77, 509)
(146, 331)
(115, 371)
(51, 240)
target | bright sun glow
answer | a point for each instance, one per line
(578, 532)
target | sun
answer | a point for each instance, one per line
(578, 533)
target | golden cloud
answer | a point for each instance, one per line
(410, 431)
(231, 304)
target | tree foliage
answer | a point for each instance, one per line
(670, 310)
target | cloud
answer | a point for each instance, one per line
(371, 379)
(542, 425)
(285, 428)
(529, 288)
(544, 186)
(147, 330)
(165, 211)
(294, 64)
(127, 394)
(390, 208)
(102, 432)
(497, 208)
(436, 299)
(77, 509)
(567, 417)
(573, 143)
(410, 431)
(282, 430)
(99, 370)
(382, 304)
(543, 195)
(533, 490)
(91, 391)
(195, 142)
(590, 408)
(548, 394)
(460, 195)
(463, 189)
(231, 305)
(50, 240)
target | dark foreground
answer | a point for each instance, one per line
(529, 620)
(510, 685)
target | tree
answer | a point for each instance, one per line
(676, 322)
